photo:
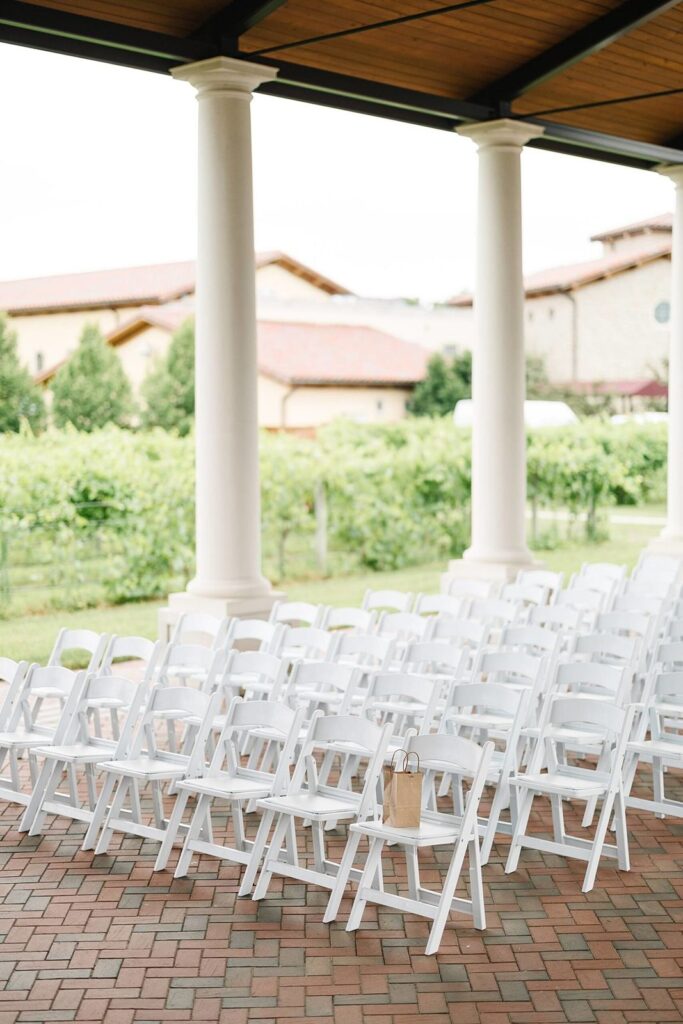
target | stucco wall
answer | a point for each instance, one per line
(312, 406)
(56, 335)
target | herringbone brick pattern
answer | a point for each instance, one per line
(104, 939)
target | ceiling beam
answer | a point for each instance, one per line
(50, 28)
(232, 21)
(586, 41)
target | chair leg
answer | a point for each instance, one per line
(99, 812)
(558, 818)
(413, 870)
(342, 878)
(201, 811)
(114, 811)
(171, 830)
(621, 837)
(598, 842)
(358, 908)
(48, 793)
(499, 801)
(256, 853)
(477, 885)
(447, 893)
(271, 858)
(523, 811)
(37, 797)
(658, 782)
(157, 804)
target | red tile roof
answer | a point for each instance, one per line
(129, 286)
(576, 275)
(628, 388)
(304, 353)
(662, 222)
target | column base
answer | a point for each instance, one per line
(255, 607)
(666, 544)
(502, 571)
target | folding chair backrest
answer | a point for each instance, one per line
(484, 698)
(590, 677)
(535, 640)
(670, 655)
(310, 683)
(186, 657)
(673, 629)
(200, 628)
(254, 674)
(608, 649)
(283, 725)
(667, 695)
(87, 640)
(650, 587)
(607, 570)
(306, 642)
(50, 683)
(553, 581)
(404, 625)
(602, 714)
(358, 620)
(629, 624)
(143, 654)
(176, 705)
(441, 604)
(297, 613)
(663, 566)
(510, 667)
(528, 594)
(266, 636)
(464, 632)
(387, 600)
(641, 604)
(455, 755)
(480, 589)
(431, 656)
(117, 692)
(405, 699)
(14, 674)
(365, 649)
(495, 611)
(558, 617)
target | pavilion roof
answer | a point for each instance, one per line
(602, 76)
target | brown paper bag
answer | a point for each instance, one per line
(402, 792)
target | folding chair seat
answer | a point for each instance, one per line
(229, 782)
(44, 700)
(387, 601)
(441, 605)
(81, 640)
(455, 756)
(82, 746)
(661, 716)
(254, 634)
(297, 613)
(200, 628)
(310, 799)
(470, 710)
(150, 763)
(562, 781)
(349, 620)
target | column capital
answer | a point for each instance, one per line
(504, 132)
(224, 75)
(672, 171)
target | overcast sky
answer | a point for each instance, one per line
(97, 169)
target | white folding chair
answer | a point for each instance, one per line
(366, 650)
(436, 753)
(150, 763)
(660, 715)
(94, 644)
(662, 566)
(479, 589)
(252, 675)
(254, 634)
(495, 612)
(138, 650)
(387, 601)
(587, 602)
(322, 685)
(349, 620)
(309, 799)
(228, 781)
(83, 747)
(404, 627)
(539, 641)
(553, 581)
(12, 674)
(471, 709)
(297, 613)
(441, 605)
(606, 587)
(528, 595)
(187, 663)
(302, 643)
(561, 619)
(43, 705)
(608, 649)
(612, 571)
(564, 781)
(444, 664)
(200, 628)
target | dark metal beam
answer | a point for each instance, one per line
(581, 44)
(676, 142)
(50, 28)
(228, 24)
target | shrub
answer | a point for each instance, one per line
(21, 400)
(91, 389)
(168, 389)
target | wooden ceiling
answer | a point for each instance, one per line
(604, 77)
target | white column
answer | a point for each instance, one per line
(498, 549)
(228, 519)
(671, 539)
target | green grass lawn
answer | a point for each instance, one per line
(30, 637)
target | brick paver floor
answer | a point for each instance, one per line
(104, 939)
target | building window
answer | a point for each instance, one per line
(663, 312)
(40, 362)
(450, 351)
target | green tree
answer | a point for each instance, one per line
(447, 381)
(92, 389)
(21, 400)
(168, 389)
